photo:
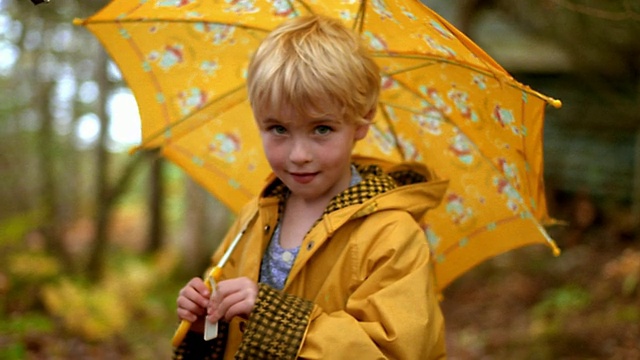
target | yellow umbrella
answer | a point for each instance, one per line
(444, 102)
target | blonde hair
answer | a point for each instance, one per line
(308, 60)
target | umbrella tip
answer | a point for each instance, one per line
(552, 244)
(554, 248)
(78, 21)
(555, 103)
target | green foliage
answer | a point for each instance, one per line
(23, 272)
(101, 311)
(93, 312)
(15, 351)
(629, 314)
(15, 226)
(33, 266)
(561, 301)
(630, 283)
(42, 308)
(557, 306)
(20, 325)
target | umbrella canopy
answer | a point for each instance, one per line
(444, 102)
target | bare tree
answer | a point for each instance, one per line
(156, 202)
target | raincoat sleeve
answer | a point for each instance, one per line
(276, 326)
(391, 311)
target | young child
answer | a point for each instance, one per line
(332, 263)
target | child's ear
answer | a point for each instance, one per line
(362, 129)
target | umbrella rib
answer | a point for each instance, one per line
(480, 230)
(525, 181)
(491, 63)
(550, 242)
(188, 154)
(162, 131)
(469, 44)
(433, 60)
(358, 25)
(304, 5)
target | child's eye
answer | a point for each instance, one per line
(278, 129)
(323, 130)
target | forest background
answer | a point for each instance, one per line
(95, 243)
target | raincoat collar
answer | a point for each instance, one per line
(405, 186)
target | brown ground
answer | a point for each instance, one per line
(526, 304)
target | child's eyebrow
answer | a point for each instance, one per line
(270, 120)
(324, 119)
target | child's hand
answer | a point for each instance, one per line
(234, 297)
(192, 303)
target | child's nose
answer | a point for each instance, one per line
(300, 152)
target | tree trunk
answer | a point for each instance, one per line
(194, 221)
(156, 202)
(206, 222)
(103, 197)
(48, 159)
(49, 186)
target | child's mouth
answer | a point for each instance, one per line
(303, 178)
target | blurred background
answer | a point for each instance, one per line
(95, 242)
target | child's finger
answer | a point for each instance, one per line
(220, 305)
(241, 308)
(199, 285)
(189, 310)
(227, 287)
(234, 297)
(195, 295)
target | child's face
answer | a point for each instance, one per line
(312, 156)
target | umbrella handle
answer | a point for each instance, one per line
(180, 333)
(216, 274)
(185, 325)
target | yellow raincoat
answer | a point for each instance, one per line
(360, 287)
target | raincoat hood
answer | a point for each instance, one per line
(417, 188)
